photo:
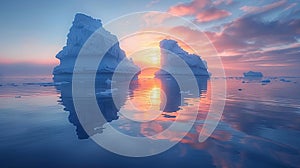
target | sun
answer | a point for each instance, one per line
(155, 60)
(152, 56)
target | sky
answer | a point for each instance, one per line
(262, 35)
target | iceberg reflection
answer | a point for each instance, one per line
(141, 93)
(104, 99)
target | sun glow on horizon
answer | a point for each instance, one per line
(155, 60)
(143, 48)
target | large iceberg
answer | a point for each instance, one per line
(82, 29)
(253, 74)
(176, 61)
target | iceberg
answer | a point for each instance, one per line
(82, 28)
(266, 81)
(253, 74)
(284, 80)
(169, 50)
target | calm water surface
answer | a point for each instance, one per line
(259, 127)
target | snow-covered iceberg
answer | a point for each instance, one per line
(253, 74)
(83, 27)
(170, 51)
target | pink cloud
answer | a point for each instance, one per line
(249, 42)
(246, 42)
(182, 10)
(202, 10)
(189, 8)
(211, 15)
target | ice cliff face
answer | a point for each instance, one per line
(170, 49)
(83, 27)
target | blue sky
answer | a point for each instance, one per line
(34, 31)
(45, 24)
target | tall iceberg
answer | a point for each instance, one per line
(176, 60)
(82, 29)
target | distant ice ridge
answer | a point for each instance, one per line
(170, 50)
(83, 27)
(46, 83)
(253, 74)
(284, 80)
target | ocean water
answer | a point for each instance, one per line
(259, 126)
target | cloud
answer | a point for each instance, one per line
(255, 39)
(250, 34)
(182, 10)
(250, 42)
(156, 18)
(201, 10)
(211, 15)
(153, 2)
(219, 2)
(268, 46)
(189, 8)
(265, 8)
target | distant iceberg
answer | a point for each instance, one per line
(253, 74)
(284, 80)
(171, 47)
(83, 27)
(266, 81)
